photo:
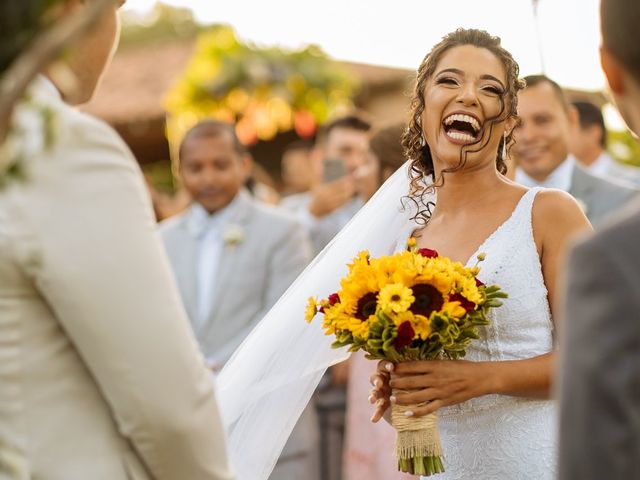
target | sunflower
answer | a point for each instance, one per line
(427, 299)
(395, 297)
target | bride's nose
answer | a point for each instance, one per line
(468, 95)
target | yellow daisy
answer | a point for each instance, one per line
(395, 297)
(311, 310)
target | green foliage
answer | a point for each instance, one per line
(624, 147)
(263, 90)
(162, 23)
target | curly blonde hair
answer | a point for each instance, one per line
(415, 146)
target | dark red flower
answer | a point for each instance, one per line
(428, 299)
(468, 305)
(427, 252)
(405, 335)
(367, 306)
(479, 283)
(333, 299)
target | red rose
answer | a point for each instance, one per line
(464, 303)
(427, 252)
(479, 283)
(333, 299)
(405, 335)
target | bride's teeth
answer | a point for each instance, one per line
(460, 136)
(462, 118)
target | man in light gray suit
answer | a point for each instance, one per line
(233, 257)
(599, 382)
(541, 151)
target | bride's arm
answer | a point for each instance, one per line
(556, 218)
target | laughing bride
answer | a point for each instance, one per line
(496, 418)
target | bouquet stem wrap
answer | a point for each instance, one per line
(418, 447)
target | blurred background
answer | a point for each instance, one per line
(279, 69)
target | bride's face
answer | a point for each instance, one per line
(461, 97)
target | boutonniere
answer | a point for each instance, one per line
(583, 205)
(233, 235)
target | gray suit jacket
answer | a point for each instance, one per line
(599, 197)
(322, 230)
(100, 374)
(599, 382)
(252, 274)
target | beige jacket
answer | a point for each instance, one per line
(100, 375)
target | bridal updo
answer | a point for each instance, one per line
(415, 147)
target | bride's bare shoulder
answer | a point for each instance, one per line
(557, 212)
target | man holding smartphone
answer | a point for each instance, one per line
(342, 159)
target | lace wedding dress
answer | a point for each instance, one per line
(500, 437)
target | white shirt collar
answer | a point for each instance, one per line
(602, 165)
(199, 220)
(559, 178)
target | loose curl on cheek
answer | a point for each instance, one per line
(413, 141)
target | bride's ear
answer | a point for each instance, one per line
(509, 124)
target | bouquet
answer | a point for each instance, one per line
(413, 305)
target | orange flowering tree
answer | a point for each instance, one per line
(264, 91)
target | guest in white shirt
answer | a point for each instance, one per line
(541, 151)
(588, 145)
(233, 257)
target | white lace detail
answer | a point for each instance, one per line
(498, 436)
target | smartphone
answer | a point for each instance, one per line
(333, 169)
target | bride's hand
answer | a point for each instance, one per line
(381, 391)
(438, 383)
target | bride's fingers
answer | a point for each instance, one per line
(423, 410)
(377, 393)
(414, 398)
(411, 382)
(381, 407)
(422, 366)
(385, 367)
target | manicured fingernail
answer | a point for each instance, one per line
(392, 399)
(377, 383)
(372, 399)
(408, 413)
(389, 367)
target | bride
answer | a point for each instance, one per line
(495, 417)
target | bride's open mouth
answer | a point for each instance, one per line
(461, 128)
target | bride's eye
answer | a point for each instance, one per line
(493, 90)
(446, 81)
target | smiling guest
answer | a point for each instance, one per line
(541, 151)
(233, 257)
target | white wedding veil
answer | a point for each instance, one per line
(266, 385)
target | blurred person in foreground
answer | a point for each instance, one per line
(233, 256)
(589, 144)
(368, 451)
(599, 384)
(341, 149)
(541, 151)
(100, 376)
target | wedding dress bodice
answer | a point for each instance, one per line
(500, 436)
